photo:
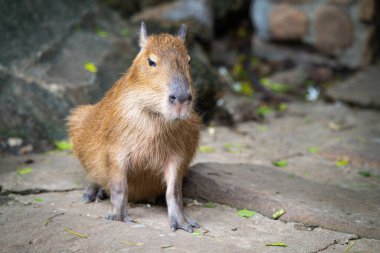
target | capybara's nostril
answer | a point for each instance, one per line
(189, 98)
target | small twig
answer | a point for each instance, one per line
(75, 233)
(51, 218)
(205, 233)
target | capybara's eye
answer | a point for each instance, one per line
(151, 63)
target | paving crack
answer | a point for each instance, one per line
(336, 242)
(36, 191)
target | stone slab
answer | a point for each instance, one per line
(362, 89)
(222, 229)
(266, 189)
(52, 172)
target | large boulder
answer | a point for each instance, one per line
(362, 89)
(196, 14)
(59, 55)
(66, 54)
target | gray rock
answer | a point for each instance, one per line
(362, 89)
(43, 73)
(196, 14)
(266, 190)
(51, 172)
(293, 77)
(239, 108)
(277, 52)
(363, 245)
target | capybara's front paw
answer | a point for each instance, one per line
(185, 224)
(111, 216)
(116, 217)
(192, 222)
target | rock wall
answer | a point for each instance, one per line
(55, 55)
(339, 30)
(45, 46)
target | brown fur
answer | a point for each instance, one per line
(131, 129)
(126, 126)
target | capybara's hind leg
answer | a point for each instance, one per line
(101, 195)
(93, 192)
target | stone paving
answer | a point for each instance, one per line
(355, 89)
(329, 189)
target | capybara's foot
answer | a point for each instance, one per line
(117, 217)
(191, 221)
(186, 224)
(93, 192)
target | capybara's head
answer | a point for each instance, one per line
(163, 73)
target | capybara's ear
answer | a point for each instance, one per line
(182, 32)
(143, 35)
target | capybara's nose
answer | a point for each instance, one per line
(180, 97)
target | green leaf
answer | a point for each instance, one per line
(38, 200)
(246, 213)
(101, 33)
(165, 246)
(63, 145)
(206, 149)
(273, 86)
(234, 148)
(282, 107)
(281, 163)
(246, 89)
(342, 163)
(277, 244)
(238, 71)
(209, 205)
(90, 67)
(278, 214)
(313, 150)
(264, 110)
(365, 173)
(24, 171)
(197, 233)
